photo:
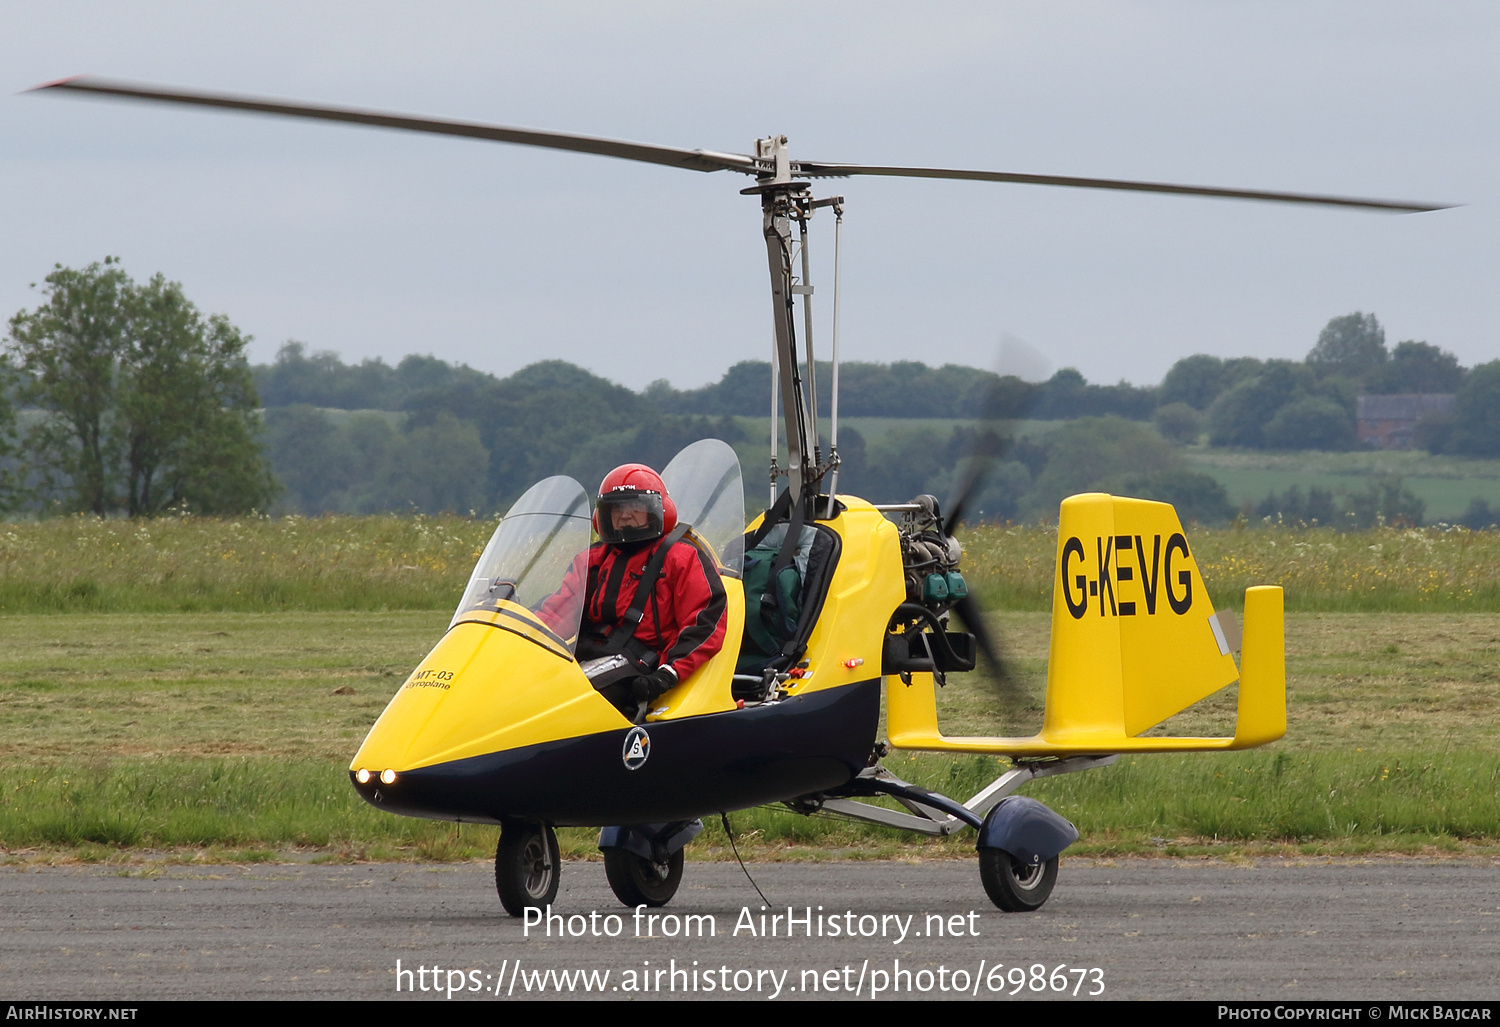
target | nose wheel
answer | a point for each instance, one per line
(527, 866)
(642, 882)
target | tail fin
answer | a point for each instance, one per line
(1134, 634)
(1135, 640)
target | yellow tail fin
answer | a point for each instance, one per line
(1135, 640)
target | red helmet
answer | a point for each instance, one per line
(633, 506)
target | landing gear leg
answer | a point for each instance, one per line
(527, 866)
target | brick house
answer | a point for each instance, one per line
(1387, 422)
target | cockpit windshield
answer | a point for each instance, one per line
(521, 582)
(526, 561)
(704, 481)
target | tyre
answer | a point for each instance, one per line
(1014, 886)
(527, 866)
(641, 882)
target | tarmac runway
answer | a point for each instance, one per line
(1383, 929)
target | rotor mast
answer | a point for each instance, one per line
(785, 200)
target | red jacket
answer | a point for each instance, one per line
(689, 600)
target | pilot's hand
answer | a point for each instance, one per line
(648, 686)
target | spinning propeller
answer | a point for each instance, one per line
(989, 447)
(986, 453)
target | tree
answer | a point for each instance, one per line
(1196, 381)
(434, 467)
(1195, 497)
(146, 404)
(1386, 501)
(1178, 422)
(1062, 395)
(11, 473)
(1476, 413)
(311, 457)
(900, 463)
(1239, 416)
(185, 409)
(1417, 367)
(1084, 454)
(1351, 346)
(1310, 422)
(1479, 516)
(1200, 379)
(67, 352)
(323, 380)
(1317, 508)
(1433, 432)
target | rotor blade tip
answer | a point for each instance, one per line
(60, 83)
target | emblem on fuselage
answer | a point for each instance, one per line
(637, 748)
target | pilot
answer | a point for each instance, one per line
(681, 622)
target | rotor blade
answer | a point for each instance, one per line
(692, 160)
(822, 169)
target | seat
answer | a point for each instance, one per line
(778, 623)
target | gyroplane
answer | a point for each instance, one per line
(502, 724)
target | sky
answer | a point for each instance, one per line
(375, 243)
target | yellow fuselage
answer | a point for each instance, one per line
(500, 722)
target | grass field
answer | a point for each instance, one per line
(225, 736)
(1445, 483)
(197, 687)
(85, 565)
(185, 564)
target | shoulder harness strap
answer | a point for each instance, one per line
(646, 589)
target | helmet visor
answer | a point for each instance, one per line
(629, 515)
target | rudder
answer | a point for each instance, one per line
(1133, 635)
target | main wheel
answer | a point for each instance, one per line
(1014, 886)
(527, 866)
(642, 882)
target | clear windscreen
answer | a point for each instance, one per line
(524, 568)
(704, 481)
